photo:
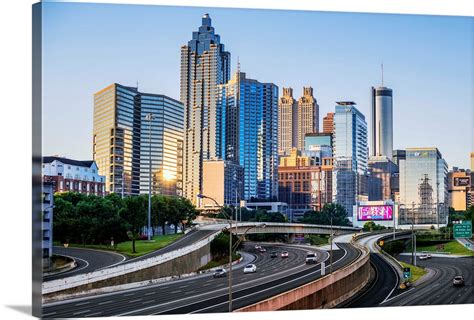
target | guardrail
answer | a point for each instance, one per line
(91, 277)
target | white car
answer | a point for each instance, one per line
(250, 268)
(425, 256)
(284, 254)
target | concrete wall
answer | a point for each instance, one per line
(325, 292)
(180, 265)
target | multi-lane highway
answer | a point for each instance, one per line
(439, 288)
(206, 294)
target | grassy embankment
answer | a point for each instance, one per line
(142, 246)
(452, 247)
(416, 272)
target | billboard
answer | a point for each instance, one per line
(462, 181)
(378, 212)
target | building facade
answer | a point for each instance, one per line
(72, 175)
(47, 222)
(472, 161)
(350, 156)
(305, 182)
(328, 123)
(129, 127)
(423, 187)
(308, 116)
(459, 189)
(287, 122)
(381, 126)
(222, 181)
(312, 140)
(204, 65)
(250, 133)
(381, 181)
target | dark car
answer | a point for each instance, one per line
(219, 273)
(273, 254)
(458, 281)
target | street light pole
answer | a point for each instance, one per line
(330, 250)
(412, 234)
(149, 117)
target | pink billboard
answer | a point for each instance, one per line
(368, 213)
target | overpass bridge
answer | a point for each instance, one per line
(240, 228)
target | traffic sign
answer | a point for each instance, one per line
(462, 229)
(381, 243)
(406, 273)
(468, 245)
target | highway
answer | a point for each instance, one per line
(205, 294)
(384, 282)
(87, 260)
(439, 289)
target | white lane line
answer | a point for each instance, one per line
(105, 302)
(81, 312)
(82, 303)
(399, 295)
(149, 301)
(93, 314)
(185, 286)
(136, 300)
(150, 293)
(48, 314)
(177, 291)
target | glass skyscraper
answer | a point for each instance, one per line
(381, 143)
(249, 111)
(423, 187)
(350, 155)
(122, 137)
(204, 65)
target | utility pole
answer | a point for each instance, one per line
(230, 264)
(149, 117)
(412, 234)
(330, 250)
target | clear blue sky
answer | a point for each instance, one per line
(428, 62)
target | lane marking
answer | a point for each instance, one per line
(177, 291)
(93, 314)
(150, 293)
(105, 302)
(80, 312)
(136, 300)
(82, 303)
(48, 314)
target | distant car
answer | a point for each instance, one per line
(262, 249)
(273, 254)
(311, 258)
(458, 281)
(250, 268)
(219, 273)
(257, 247)
(284, 254)
(424, 257)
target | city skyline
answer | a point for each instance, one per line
(432, 90)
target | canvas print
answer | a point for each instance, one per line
(209, 160)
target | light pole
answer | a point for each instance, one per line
(150, 117)
(201, 196)
(330, 249)
(413, 236)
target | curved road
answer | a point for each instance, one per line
(204, 293)
(87, 260)
(439, 289)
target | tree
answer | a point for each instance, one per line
(371, 226)
(159, 211)
(339, 216)
(134, 212)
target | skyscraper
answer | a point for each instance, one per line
(423, 187)
(123, 138)
(204, 65)
(328, 123)
(250, 128)
(350, 155)
(381, 143)
(472, 161)
(308, 116)
(287, 122)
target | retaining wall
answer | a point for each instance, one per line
(325, 292)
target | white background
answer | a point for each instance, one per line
(15, 151)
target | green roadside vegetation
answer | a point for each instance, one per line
(142, 247)
(220, 261)
(452, 247)
(317, 240)
(416, 272)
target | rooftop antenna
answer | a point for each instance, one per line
(137, 84)
(238, 64)
(382, 72)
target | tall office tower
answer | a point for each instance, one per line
(204, 65)
(308, 116)
(250, 132)
(287, 122)
(350, 156)
(381, 143)
(123, 137)
(328, 123)
(382, 183)
(423, 187)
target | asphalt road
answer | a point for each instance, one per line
(439, 289)
(87, 260)
(204, 293)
